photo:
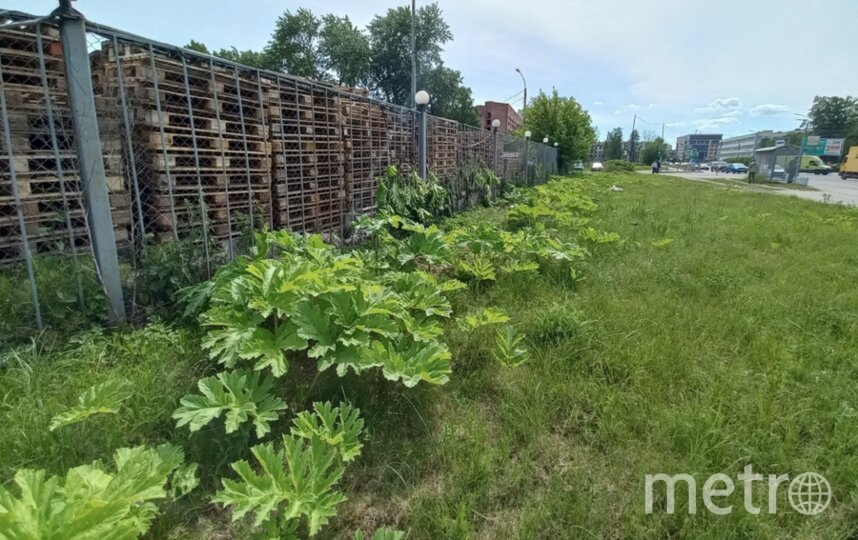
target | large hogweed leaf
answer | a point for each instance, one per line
(509, 350)
(295, 481)
(339, 426)
(103, 398)
(483, 317)
(90, 502)
(429, 362)
(239, 395)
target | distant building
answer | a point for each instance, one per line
(706, 145)
(743, 146)
(510, 120)
(597, 151)
(638, 149)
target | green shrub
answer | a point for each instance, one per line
(620, 165)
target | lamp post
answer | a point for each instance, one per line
(544, 157)
(804, 123)
(527, 135)
(524, 82)
(495, 126)
(556, 156)
(421, 98)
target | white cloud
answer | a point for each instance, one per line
(769, 109)
(714, 123)
(598, 104)
(721, 104)
(631, 107)
(651, 106)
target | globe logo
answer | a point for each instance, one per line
(809, 493)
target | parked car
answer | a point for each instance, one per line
(597, 166)
(578, 166)
(705, 167)
(738, 168)
(778, 173)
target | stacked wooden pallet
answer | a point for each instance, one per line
(442, 140)
(307, 133)
(206, 153)
(401, 128)
(44, 159)
(367, 150)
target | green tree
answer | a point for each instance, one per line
(766, 142)
(654, 151)
(634, 140)
(794, 137)
(294, 44)
(390, 41)
(248, 57)
(833, 115)
(449, 98)
(344, 51)
(614, 144)
(561, 119)
(197, 46)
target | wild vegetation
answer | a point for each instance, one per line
(577, 361)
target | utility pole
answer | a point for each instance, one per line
(524, 82)
(413, 52)
(661, 145)
(632, 150)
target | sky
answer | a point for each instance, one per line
(716, 66)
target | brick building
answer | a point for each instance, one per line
(510, 120)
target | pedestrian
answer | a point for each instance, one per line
(654, 167)
(792, 170)
(752, 172)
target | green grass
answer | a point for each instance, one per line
(722, 332)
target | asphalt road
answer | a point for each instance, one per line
(828, 188)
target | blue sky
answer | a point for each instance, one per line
(723, 66)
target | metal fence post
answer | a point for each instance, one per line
(89, 156)
(421, 142)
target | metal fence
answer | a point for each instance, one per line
(112, 142)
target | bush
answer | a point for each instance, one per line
(619, 165)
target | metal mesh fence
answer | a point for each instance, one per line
(199, 150)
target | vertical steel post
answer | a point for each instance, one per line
(263, 124)
(173, 218)
(25, 242)
(202, 201)
(221, 143)
(90, 161)
(129, 148)
(525, 160)
(421, 142)
(246, 151)
(49, 108)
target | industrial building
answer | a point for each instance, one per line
(510, 120)
(743, 146)
(706, 146)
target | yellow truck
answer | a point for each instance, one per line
(849, 165)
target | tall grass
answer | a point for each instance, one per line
(723, 331)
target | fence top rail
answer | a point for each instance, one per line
(15, 18)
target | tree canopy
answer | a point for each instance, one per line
(834, 116)
(656, 150)
(561, 119)
(331, 48)
(614, 144)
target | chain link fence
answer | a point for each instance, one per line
(197, 151)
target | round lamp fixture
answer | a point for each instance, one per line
(527, 134)
(545, 140)
(421, 97)
(495, 123)
(556, 145)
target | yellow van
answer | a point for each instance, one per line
(849, 165)
(814, 164)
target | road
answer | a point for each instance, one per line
(826, 188)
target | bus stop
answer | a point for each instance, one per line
(778, 162)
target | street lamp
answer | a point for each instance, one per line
(545, 140)
(525, 164)
(524, 82)
(495, 125)
(421, 98)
